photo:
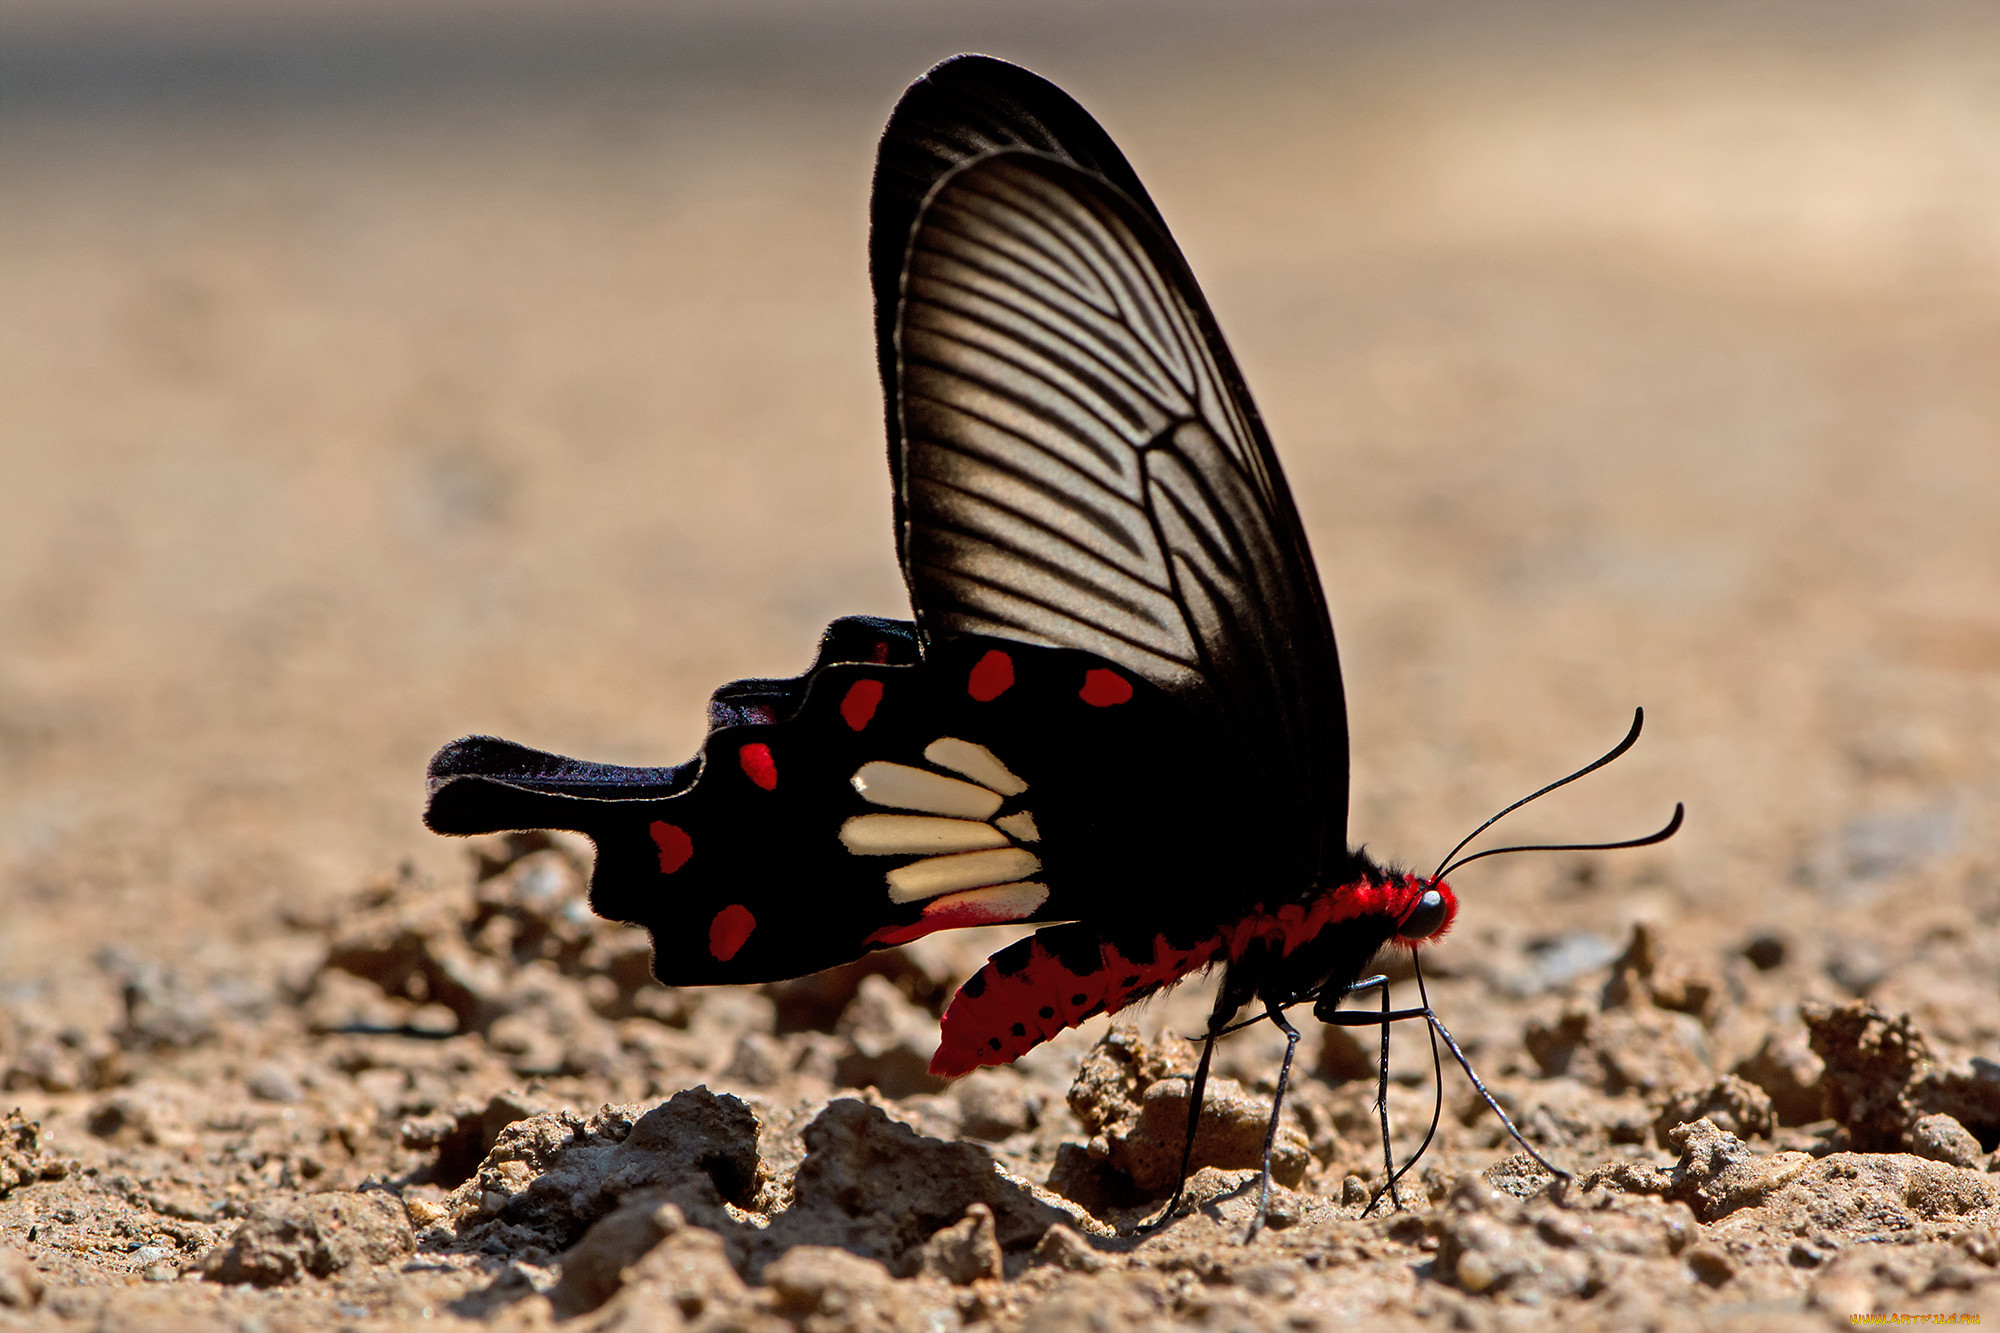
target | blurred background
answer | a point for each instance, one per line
(373, 374)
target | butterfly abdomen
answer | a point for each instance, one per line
(1065, 975)
(1053, 980)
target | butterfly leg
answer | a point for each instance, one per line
(1325, 1011)
(1228, 999)
(1277, 1016)
(1382, 1104)
(1195, 1096)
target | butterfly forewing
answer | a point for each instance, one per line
(1078, 465)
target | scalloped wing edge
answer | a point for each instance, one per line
(483, 784)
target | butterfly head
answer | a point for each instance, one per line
(1429, 908)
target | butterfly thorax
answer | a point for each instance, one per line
(1329, 938)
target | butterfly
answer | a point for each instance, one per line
(1117, 713)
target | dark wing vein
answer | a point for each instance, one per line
(1045, 531)
(991, 616)
(999, 330)
(1012, 255)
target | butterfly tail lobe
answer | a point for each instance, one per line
(482, 784)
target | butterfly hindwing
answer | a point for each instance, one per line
(992, 782)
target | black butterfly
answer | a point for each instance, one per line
(1119, 707)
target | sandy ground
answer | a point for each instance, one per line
(367, 382)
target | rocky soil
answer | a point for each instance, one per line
(468, 1102)
(368, 383)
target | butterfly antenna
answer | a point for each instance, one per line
(1447, 865)
(1673, 827)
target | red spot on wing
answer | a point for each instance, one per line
(728, 932)
(858, 705)
(1104, 688)
(998, 1016)
(941, 914)
(992, 676)
(916, 930)
(674, 844)
(758, 765)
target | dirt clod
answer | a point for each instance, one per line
(995, 1105)
(317, 1236)
(1871, 1059)
(967, 1251)
(1132, 1098)
(1718, 1173)
(554, 1175)
(21, 1287)
(890, 1041)
(23, 1160)
(1065, 1249)
(593, 1269)
(1785, 1067)
(688, 1273)
(1710, 1263)
(833, 1290)
(1942, 1139)
(1730, 1103)
(880, 1189)
(1518, 1175)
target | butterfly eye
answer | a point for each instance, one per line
(1426, 919)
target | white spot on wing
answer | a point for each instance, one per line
(975, 762)
(901, 787)
(903, 835)
(1019, 826)
(968, 870)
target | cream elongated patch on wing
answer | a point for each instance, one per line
(967, 870)
(917, 835)
(1002, 902)
(901, 787)
(975, 762)
(1020, 826)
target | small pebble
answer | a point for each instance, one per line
(1943, 1139)
(1710, 1263)
(1765, 951)
(275, 1083)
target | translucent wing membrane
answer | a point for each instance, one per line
(1077, 462)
